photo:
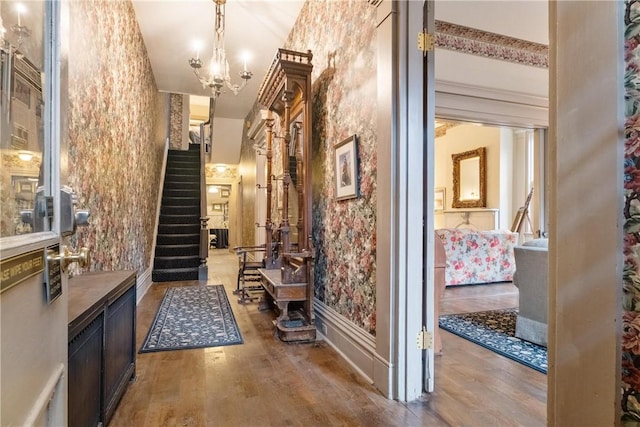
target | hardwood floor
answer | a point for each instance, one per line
(265, 382)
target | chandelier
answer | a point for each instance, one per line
(217, 75)
(19, 32)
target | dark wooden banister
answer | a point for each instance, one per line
(203, 270)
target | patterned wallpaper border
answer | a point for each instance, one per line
(212, 174)
(490, 45)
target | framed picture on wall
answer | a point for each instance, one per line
(217, 207)
(224, 192)
(439, 199)
(346, 168)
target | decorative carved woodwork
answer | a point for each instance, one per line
(286, 95)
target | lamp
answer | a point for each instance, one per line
(217, 75)
(25, 156)
(221, 168)
(19, 31)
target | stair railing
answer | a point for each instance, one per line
(203, 270)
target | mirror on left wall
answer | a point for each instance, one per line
(22, 107)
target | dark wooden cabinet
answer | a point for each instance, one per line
(102, 340)
(85, 374)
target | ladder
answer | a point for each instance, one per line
(522, 213)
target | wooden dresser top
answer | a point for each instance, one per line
(88, 292)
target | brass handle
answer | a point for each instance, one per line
(66, 257)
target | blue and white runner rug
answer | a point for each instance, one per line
(192, 317)
(495, 330)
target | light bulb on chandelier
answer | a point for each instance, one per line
(19, 31)
(217, 76)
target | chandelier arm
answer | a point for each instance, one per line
(235, 88)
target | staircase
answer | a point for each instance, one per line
(177, 254)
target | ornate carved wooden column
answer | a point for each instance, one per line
(297, 126)
(270, 258)
(287, 97)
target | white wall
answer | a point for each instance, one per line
(227, 140)
(508, 171)
(507, 186)
(462, 138)
(586, 201)
(524, 19)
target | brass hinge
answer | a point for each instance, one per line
(426, 41)
(425, 339)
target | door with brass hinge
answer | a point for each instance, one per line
(37, 213)
(426, 41)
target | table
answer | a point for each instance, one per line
(222, 235)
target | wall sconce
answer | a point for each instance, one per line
(213, 189)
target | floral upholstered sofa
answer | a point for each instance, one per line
(478, 256)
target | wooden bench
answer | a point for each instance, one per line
(290, 325)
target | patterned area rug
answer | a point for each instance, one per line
(495, 330)
(192, 317)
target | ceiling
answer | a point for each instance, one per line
(170, 28)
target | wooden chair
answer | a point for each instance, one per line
(248, 273)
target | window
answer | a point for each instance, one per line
(22, 104)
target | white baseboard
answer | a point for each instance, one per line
(144, 280)
(354, 344)
(143, 284)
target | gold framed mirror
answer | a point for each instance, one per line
(469, 179)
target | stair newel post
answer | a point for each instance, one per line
(269, 223)
(286, 175)
(203, 270)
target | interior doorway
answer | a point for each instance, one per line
(494, 93)
(515, 164)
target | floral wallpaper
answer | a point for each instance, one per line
(117, 128)
(631, 275)
(344, 94)
(175, 123)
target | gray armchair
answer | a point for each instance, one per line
(531, 278)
